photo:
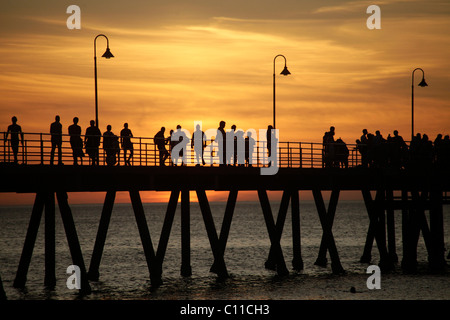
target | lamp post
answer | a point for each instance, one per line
(421, 84)
(106, 55)
(285, 72)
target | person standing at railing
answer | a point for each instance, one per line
(15, 131)
(221, 139)
(232, 146)
(76, 142)
(92, 142)
(125, 141)
(160, 142)
(56, 139)
(249, 147)
(111, 146)
(198, 142)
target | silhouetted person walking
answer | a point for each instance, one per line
(161, 142)
(15, 130)
(92, 142)
(125, 141)
(198, 142)
(221, 139)
(56, 139)
(76, 142)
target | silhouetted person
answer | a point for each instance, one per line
(380, 153)
(56, 139)
(414, 150)
(445, 153)
(160, 142)
(328, 147)
(221, 139)
(426, 151)
(231, 147)
(239, 146)
(111, 146)
(15, 130)
(172, 144)
(125, 141)
(183, 141)
(269, 140)
(438, 148)
(92, 142)
(198, 142)
(397, 149)
(363, 148)
(76, 142)
(342, 153)
(249, 148)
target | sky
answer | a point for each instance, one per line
(177, 61)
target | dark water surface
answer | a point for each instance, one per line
(124, 274)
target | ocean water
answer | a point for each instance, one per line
(124, 274)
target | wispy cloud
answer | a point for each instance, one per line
(352, 6)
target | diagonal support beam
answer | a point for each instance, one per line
(30, 240)
(226, 224)
(273, 234)
(167, 226)
(330, 214)
(72, 239)
(279, 225)
(101, 235)
(327, 223)
(146, 240)
(212, 234)
(375, 210)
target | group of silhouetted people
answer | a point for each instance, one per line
(377, 151)
(91, 142)
(241, 153)
(335, 152)
(235, 150)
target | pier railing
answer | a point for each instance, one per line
(36, 149)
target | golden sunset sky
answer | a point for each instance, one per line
(179, 61)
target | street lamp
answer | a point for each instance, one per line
(421, 84)
(285, 72)
(106, 55)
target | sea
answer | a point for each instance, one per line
(124, 274)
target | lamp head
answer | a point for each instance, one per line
(285, 71)
(423, 83)
(107, 54)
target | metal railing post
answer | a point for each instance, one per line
(42, 149)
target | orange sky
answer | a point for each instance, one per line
(179, 61)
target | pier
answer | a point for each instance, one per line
(302, 167)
